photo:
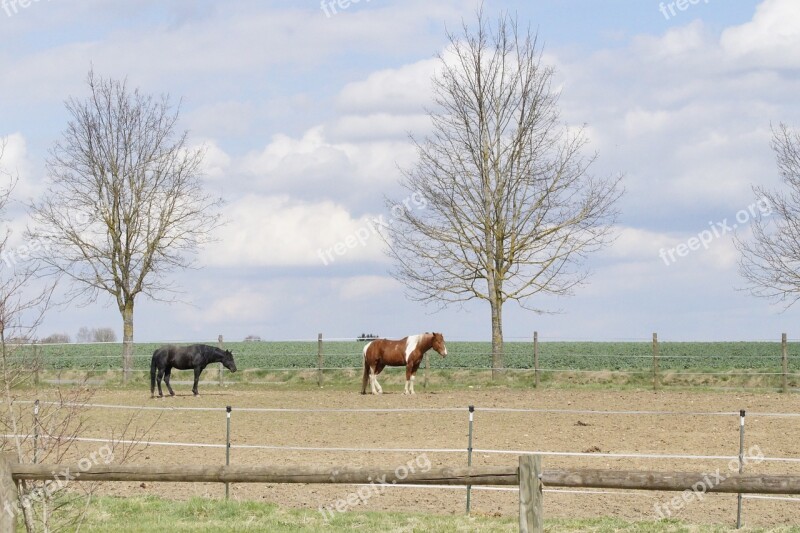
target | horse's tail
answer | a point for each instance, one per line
(366, 371)
(153, 375)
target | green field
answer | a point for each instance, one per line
(462, 355)
(745, 364)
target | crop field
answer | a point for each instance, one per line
(748, 364)
(518, 355)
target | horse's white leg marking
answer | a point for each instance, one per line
(411, 344)
(412, 385)
(373, 380)
(406, 391)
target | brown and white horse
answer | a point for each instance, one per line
(406, 352)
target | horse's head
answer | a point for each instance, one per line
(438, 344)
(228, 362)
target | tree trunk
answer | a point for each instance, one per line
(127, 340)
(497, 338)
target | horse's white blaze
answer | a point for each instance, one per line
(411, 345)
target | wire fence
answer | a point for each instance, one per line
(755, 364)
(469, 449)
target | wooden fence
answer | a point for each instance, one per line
(528, 476)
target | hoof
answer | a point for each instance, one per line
(172, 394)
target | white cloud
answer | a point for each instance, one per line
(367, 287)
(376, 126)
(15, 163)
(638, 244)
(281, 231)
(406, 89)
(316, 168)
(216, 163)
(770, 40)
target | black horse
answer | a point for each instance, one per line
(196, 356)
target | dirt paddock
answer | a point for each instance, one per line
(775, 437)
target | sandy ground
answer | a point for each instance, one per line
(561, 432)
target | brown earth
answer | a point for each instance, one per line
(561, 432)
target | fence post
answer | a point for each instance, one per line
(785, 363)
(536, 359)
(37, 362)
(8, 494)
(36, 431)
(227, 446)
(530, 494)
(656, 380)
(469, 453)
(427, 367)
(741, 469)
(221, 346)
(320, 360)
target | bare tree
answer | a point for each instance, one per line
(511, 207)
(104, 335)
(125, 207)
(84, 335)
(56, 338)
(770, 259)
(46, 432)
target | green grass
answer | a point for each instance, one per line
(147, 514)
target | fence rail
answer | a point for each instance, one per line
(528, 476)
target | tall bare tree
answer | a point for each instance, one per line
(511, 207)
(45, 432)
(770, 258)
(125, 206)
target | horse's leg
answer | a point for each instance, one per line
(372, 380)
(409, 378)
(367, 377)
(167, 373)
(197, 371)
(413, 375)
(378, 368)
(158, 379)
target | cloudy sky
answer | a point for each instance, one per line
(305, 113)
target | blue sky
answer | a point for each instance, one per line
(305, 118)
